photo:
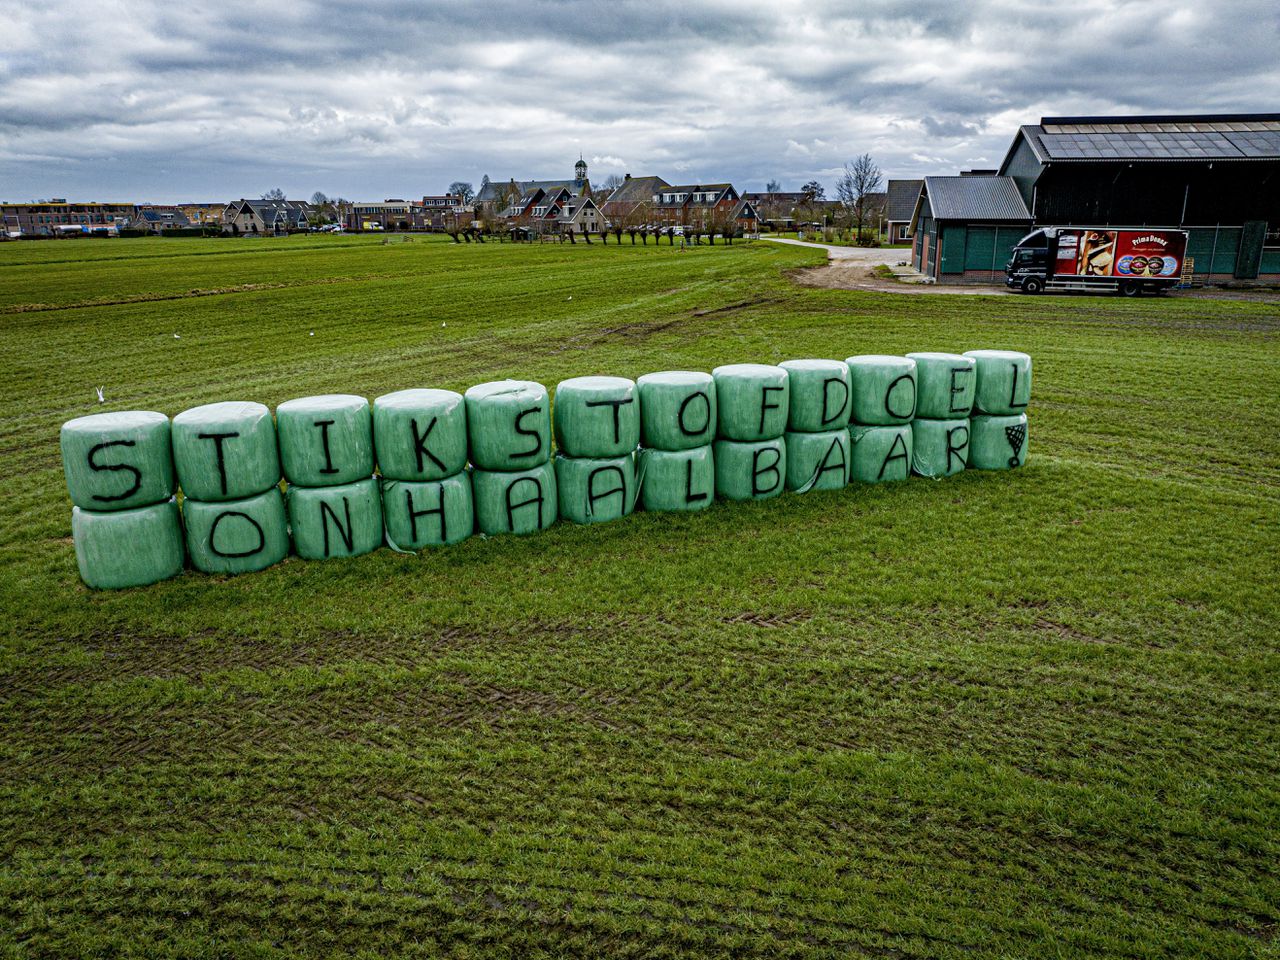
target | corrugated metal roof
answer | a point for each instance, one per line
(1099, 139)
(974, 198)
(901, 201)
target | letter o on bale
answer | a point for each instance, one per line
(884, 389)
(752, 400)
(420, 434)
(998, 443)
(117, 461)
(128, 548)
(338, 521)
(225, 451)
(428, 513)
(818, 394)
(750, 471)
(509, 422)
(880, 454)
(677, 480)
(945, 385)
(236, 536)
(325, 441)
(1003, 381)
(596, 489)
(515, 501)
(597, 417)
(677, 410)
(817, 461)
(939, 448)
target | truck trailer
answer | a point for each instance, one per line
(1128, 261)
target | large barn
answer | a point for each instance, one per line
(1217, 176)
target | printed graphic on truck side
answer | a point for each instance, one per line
(1119, 253)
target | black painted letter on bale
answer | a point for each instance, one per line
(94, 465)
(958, 390)
(758, 471)
(326, 512)
(765, 405)
(956, 449)
(826, 467)
(217, 439)
(1013, 390)
(706, 402)
(537, 440)
(617, 406)
(535, 499)
(826, 399)
(894, 454)
(420, 445)
(888, 398)
(415, 514)
(324, 426)
(213, 533)
(620, 490)
(689, 495)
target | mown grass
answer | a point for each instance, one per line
(1000, 715)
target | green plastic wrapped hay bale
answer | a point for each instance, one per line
(884, 389)
(819, 394)
(677, 480)
(596, 489)
(428, 513)
(597, 417)
(880, 454)
(817, 461)
(127, 548)
(338, 521)
(752, 401)
(1003, 381)
(117, 461)
(997, 443)
(939, 448)
(225, 451)
(944, 384)
(677, 410)
(509, 422)
(236, 536)
(750, 471)
(420, 434)
(325, 441)
(519, 502)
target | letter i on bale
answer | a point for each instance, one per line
(940, 433)
(420, 438)
(229, 469)
(514, 483)
(880, 414)
(999, 422)
(817, 425)
(597, 429)
(326, 450)
(124, 518)
(677, 427)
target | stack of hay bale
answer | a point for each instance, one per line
(883, 405)
(326, 450)
(677, 426)
(998, 426)
(817, 437)
(420, 439)
(940, 431)
(514, 482)
(752, 401)
(597, 429)
(229, 470)
(124, 518)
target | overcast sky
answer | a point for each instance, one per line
(369, 99)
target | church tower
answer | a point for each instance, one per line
(580, 169)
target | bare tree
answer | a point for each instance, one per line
(611, 183)
(318, 199)
(461, 188)
(854, 189)
(773, 186)
(813, 191)
(274, 194)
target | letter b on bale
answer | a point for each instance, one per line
(117, 461)
(225, 451)
(510, 425)
(752, 400)
(420, 434)
(594, 490)
(238, 536)
(428, 513)
(597, 417)
(677, 410)
(750, 471)
(338, 521)
(515, 501)
(325, 441)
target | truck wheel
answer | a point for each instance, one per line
(1032, 285)
(1130, 288)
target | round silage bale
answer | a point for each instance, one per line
(1003, 381)
(515, 501)
(883, 388)
(509, 422)
(127, 548)
(817, 461)
(428, 513)
(752, 401)
(677, 409)
(944, 385)
(236, 536)
(225, 451)
(997, 443)
(325, 441)
(880, 454)
(597, 417)
(818, 394)
(117, 461)
(677, 480)
(420, 434)
(337, 521)
(596, 489)
(939, 448)
(750, 471)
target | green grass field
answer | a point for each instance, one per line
(1022, 714)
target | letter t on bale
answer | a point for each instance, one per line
(597, 427)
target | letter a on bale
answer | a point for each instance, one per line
(515, 501)
(596, 489)
(880, 454)
(817, 461)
